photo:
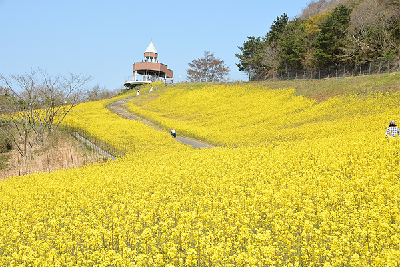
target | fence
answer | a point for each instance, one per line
(213, 80)
(116, 150)
(367, 68)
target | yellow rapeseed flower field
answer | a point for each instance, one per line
(293, 183)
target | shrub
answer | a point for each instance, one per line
(5, 140)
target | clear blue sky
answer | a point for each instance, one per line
(104, 38)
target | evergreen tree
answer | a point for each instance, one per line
(292, 44)
(252, 58)
(277, 28)
(332, 37)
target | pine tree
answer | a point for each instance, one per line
(252, 58)
(292, 43)
(332, 38)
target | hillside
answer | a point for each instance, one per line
(252, 113)
(294, 182)
(323, 89)
(340, 35)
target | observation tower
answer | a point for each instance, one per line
(149, 69)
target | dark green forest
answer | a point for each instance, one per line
(327, 33)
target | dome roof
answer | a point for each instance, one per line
(151, 48)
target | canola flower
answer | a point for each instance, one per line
(322, 191)
(250, 115)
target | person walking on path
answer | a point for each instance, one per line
(118, 108)
(138, 92)
(392, 130)
(173, 133)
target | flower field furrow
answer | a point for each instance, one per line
(298, 183)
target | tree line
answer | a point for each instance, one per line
(327, 33)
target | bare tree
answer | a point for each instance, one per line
(4, 101)
(319, 7)
(207, 68)
(5, 140)
(36, 104)
(316, 8)
(98, 93)
(370, 31)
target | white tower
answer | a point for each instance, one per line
(150, 55)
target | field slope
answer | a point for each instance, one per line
(295, 181)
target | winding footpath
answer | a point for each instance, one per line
(119, 108)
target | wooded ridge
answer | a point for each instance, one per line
(327, 33)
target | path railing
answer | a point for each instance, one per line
(115, 150)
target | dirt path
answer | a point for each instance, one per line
(118, 107)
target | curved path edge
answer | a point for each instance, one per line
(118, 108)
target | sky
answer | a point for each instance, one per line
(104, 38)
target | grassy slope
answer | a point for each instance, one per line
(324, 89)
(320, 90)
(61, 151)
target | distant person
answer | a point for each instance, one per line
(392, 130)
(173, 133)
(151, 89)
(138, 92)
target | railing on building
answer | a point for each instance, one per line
(140, 78)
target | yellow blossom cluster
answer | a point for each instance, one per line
(316, 184)
(130, 135)
(252, 115)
